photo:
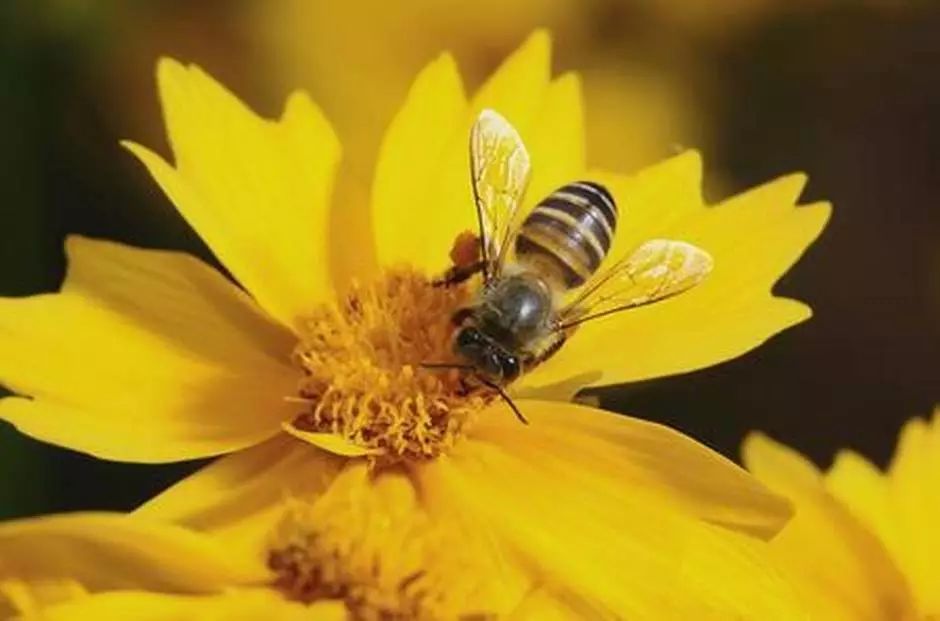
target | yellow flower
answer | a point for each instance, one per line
(864, 543)
(356, 475)
(373, 551)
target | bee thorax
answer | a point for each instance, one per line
(514, 309)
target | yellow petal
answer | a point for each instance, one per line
(639, 459)
(28, 597)
(901, 507)
(240, 498)
(248, 605)
(597, 546)
(914, 479)
(330, 442)
(257, 191)
(416, 214)
(864, 489)
(754, 238)
(842, 571)
(422, 197)
(516, 89)
(104, 551)
(556, 139)
(779, 466)
(144, 356)
(352, 248)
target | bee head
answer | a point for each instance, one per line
(491, 361)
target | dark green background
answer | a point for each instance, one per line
(849, 95)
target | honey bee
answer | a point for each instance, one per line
(542, 277)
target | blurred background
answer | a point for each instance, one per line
(847, 91)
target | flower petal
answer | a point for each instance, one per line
(598, 548)
(28, 597)
(144, 356)
(914, 477)
(842, 571)
(330, 442)
(555, 139)
(257, 191)
(106, 551)
(242, 605)
(640, 459)
(754, 238)
(864, 489)
(415, 212)
(902, 506)
(422, 183)
(517, 88)
(240, 498)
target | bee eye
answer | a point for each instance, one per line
(494, 366)
(510, 367)
(469, 336)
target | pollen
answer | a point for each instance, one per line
(363, 375)
(369, 543)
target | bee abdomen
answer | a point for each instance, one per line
(572, 229)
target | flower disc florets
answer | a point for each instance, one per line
(369, 542)
(363, 376)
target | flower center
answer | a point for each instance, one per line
(369, 543)
(363, 378)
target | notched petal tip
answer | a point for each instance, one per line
(675, 182)
(173, 74)
(777, 465)
(782, 193)
(303, 115)
(152, 161)
(174, 79)
(167, 67)
(444, 64)
(788, 312)
(753, 446)
(794, 183)
(284, 167)
(538, 44)
(517, 87)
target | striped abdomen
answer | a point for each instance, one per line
(571, 230)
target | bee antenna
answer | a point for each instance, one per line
(505, 397)
(445, 365)
(499, 389)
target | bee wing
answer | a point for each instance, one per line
(500, 171)
(658, 269)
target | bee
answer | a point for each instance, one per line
(542, 277)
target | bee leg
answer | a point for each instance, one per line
(458, 274)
